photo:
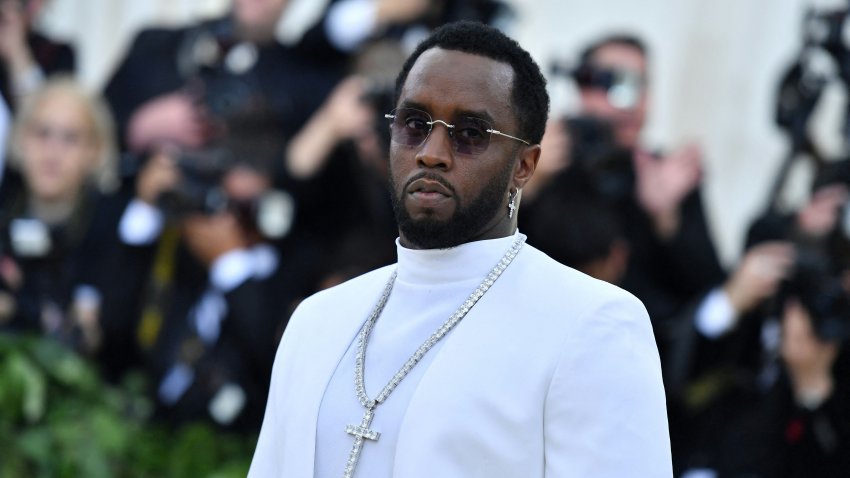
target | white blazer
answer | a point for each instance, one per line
(575, 391)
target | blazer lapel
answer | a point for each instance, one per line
(324, 350)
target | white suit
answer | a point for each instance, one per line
(551, 374)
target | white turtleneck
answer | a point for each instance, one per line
(431, 285)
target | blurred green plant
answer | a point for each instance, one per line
(58, 420)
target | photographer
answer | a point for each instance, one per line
(206, 275)
(656, 216)
(340, 159)
(55, 228)
(770, 396)
(175, 86)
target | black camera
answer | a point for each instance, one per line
(819, 278)
(200, 191)
(216, 64)
(595, 152)
(821, 290)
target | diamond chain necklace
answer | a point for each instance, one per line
(362, 431)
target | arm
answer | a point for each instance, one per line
(343, 116)
(605, 414)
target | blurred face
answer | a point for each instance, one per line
(257, 19)
(58, 151)
(627, 122)
(444, 197)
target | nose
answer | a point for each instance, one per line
(436, 151)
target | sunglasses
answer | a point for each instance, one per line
(469, 135)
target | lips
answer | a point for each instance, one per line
(429, 195)
(428, 187)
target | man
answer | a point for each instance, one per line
(497, 360)
(672, 264)
(201, 285)
(176, 85)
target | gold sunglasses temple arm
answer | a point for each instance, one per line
(495, 131)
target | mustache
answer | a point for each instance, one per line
(430, 176)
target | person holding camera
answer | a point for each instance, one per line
(179, 85)
(649, 215)
(56, 226)
(208, 275)
(769, 396)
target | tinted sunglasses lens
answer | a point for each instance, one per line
(410, 127)
(470, 135)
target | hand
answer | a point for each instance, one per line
(343, 116)
(211, 236)
(159, 174)
(759, 275)
(808, 359)
(663, 183)
(820, 215)
(13, 35)
(400, 11)
(345, 113)
(173, 118)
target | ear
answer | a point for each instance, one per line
(527, 163)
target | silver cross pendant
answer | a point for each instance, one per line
(359, 432)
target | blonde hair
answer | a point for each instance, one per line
(105, 173)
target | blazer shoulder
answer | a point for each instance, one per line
(366, 287)
(579, 297)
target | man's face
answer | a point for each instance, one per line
(442, 198)
(627, 122)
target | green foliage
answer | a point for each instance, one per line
(58, 419)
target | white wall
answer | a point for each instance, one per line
(715, 68)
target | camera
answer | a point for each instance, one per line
(200, 191)
(821, 271)
(821, 290)
(215, 65)
(605, 165)
(624, 88)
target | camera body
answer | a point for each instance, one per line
(821, 290)
(200, 188)
(595, 152)
(201, 191)
(819, 274)
(216, 66)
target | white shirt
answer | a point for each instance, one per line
(551, 374)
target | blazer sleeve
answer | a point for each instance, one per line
(266, 463)
(605, 413)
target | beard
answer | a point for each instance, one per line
(465, 224)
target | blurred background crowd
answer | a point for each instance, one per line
(163, 212)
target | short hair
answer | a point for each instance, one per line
(530, 101)
(632, 41)
(105, 173)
